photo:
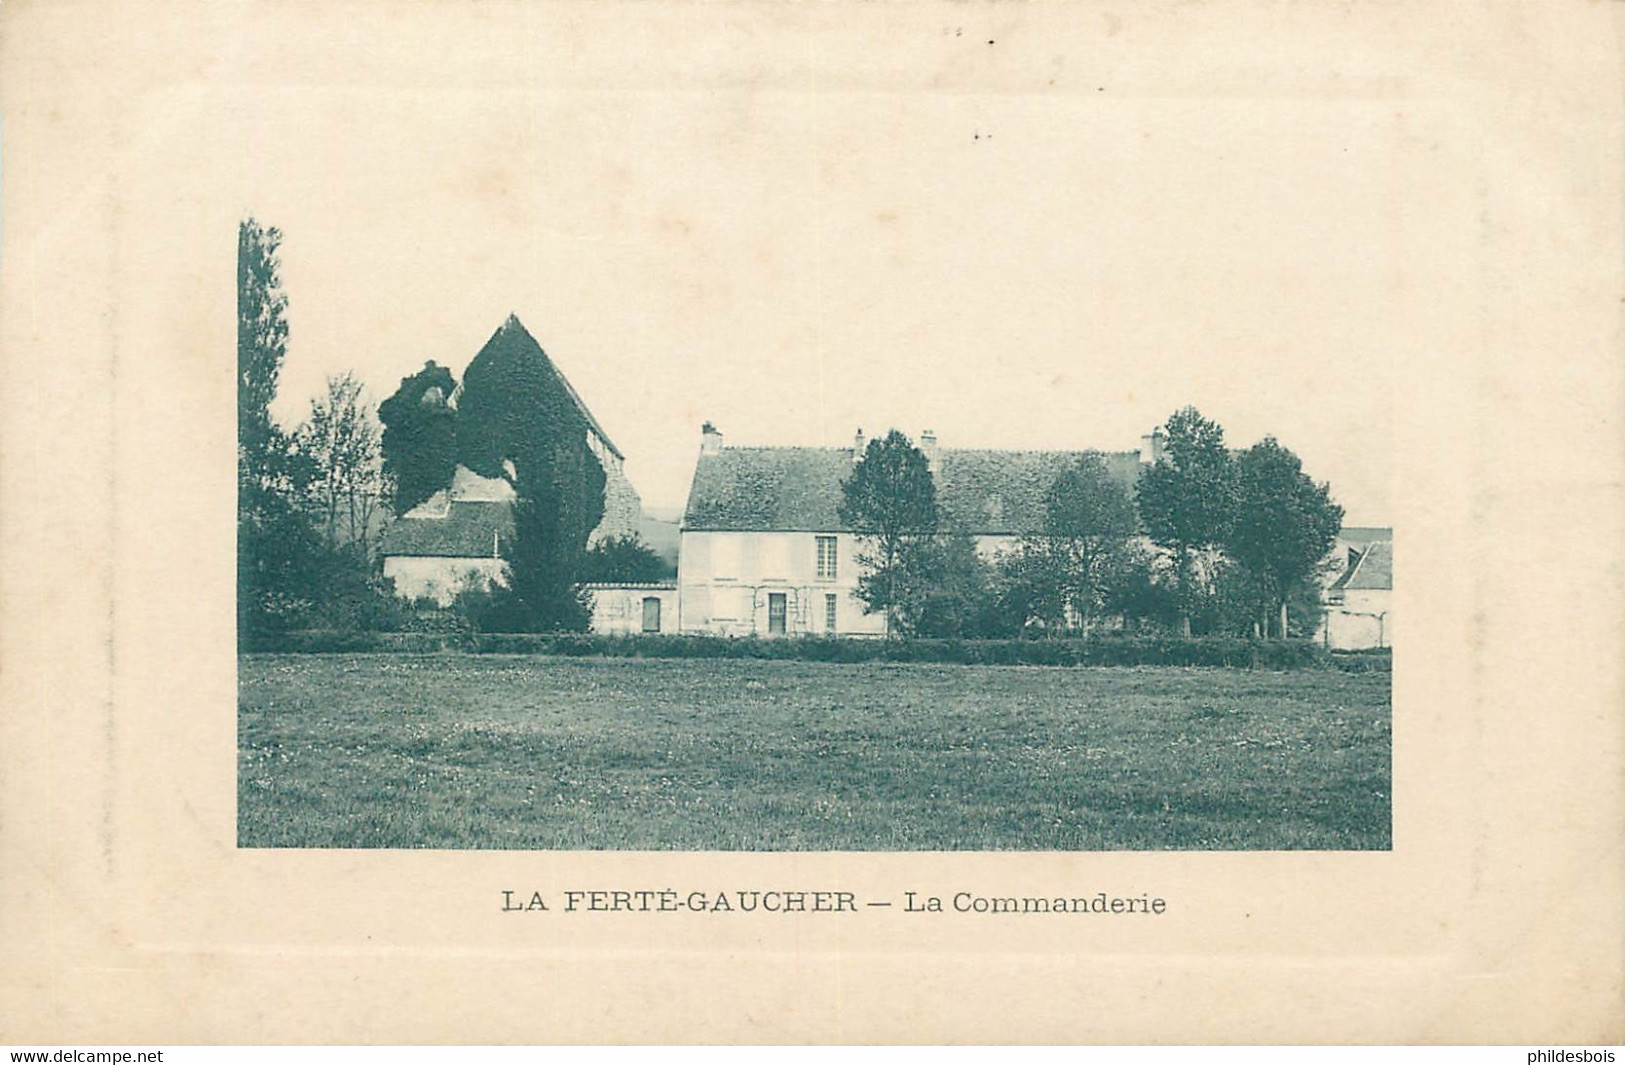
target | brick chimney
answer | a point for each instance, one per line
(710, 439)
(1152, 450)
(858, 445)
(928, 446)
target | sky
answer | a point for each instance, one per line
(1013, 258)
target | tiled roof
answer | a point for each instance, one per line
(768, 488)
(798, 489)
(1002, 492)
(1374, 571)
(468, 530)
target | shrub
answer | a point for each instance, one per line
(1106, 650)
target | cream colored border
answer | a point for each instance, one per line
(128, 916)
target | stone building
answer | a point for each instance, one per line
(454, 540)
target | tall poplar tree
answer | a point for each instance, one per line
(276, 545)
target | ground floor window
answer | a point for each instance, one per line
(776, 613)
(651, 613)
(829, 613)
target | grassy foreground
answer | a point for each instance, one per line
(452, 751)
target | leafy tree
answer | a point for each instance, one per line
(1234, 602)
(624, 559)
(1089, 518)
(1187, 501)
(290, 572)
(1032, 587)
(1284, 523)
(1141, 594)
(341, 440)
(890, 501)
(950, 589)
(517, 419)
(420, 436)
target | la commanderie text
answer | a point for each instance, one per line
(671, 900)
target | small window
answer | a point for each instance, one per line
(829, 613)
(651, 613)
(826, 558)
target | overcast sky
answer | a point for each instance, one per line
(797, 255)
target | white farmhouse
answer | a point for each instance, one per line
(1359, 601)
(764, 552)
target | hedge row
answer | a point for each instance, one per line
(1103, 651)
(335, 641)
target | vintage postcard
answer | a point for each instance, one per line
(755, 522)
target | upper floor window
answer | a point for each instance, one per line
(826, 558)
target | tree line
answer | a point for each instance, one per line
(1206, 541)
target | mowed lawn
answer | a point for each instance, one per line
(454, 751)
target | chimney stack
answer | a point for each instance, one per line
(710, 439)
(928, 446)
(857, 447)
(1151, 447)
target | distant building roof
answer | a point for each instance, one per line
(1365, 534)
(1373, 570)
(469, 529)
(1003, 492)
(798, 489)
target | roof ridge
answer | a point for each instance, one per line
(575, 397)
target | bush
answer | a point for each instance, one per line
(1111, 650)
(1372, 660)
(1107, 650)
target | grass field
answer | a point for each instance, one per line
(452, 751)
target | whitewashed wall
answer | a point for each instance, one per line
(442, 579)
(1363, 620)
(726, 579)
(618, 609)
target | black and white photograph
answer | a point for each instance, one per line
(732, 489)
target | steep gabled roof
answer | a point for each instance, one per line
(1373, 570)
(514, 326)
(798, 489)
